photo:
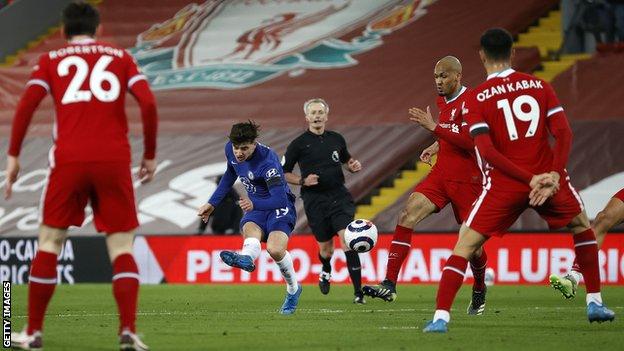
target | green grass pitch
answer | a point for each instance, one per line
(244, 317)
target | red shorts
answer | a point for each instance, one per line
(619, 195)
(441, 191)
(107, 185)
(496, 210)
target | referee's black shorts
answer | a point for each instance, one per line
(328, 212)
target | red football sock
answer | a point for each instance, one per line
(452, 278)
(400, 247)
(586, 249)
(41, 286)
(477, 265)
(126, 290)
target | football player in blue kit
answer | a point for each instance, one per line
(270, 214)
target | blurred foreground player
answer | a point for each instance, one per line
(510, 117)
(454, 179)
(609, 217)
(89, 162)
(269, 213)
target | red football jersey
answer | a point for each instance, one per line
(513, 108)
(454, 162)
(88, 81)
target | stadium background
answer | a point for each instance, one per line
(371, 60)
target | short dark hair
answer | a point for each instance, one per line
(245, 132)
(80, 18)
(496, 44)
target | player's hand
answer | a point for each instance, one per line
(205, 211)
(12, 171)
(354, 166)
(311, 179)
(423, 118)
(147, 170)
(543, 186)
(245, 204)
(428, 153)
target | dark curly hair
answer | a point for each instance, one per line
(245, 132)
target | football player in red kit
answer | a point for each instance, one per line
(89, 162)
(510, 117)
(454, 179)
(610, 216)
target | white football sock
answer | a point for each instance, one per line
(288, 272)
(443, 315)
(251, 247)
(594, 297)
(576, 276)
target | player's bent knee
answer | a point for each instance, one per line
(418, 207)
(276, 252)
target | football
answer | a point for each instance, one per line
(361, 235)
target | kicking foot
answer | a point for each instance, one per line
(234, 259)
(566, 285)
(386, 290)
(477, 304)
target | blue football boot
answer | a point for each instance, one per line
(291, 301)
(599, 313)
(234, 259)
(439, 326)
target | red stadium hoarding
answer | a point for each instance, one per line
(516, 259)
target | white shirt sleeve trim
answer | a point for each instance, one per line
(552, 111)
(135, 79)
(39, 82)
(479, 125)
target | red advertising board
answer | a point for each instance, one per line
(516, 259)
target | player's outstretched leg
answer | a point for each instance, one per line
(478, 265)
(399, 249)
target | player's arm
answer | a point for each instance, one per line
(559, 128)
(139, 88)
(278, 197)
(461, 138)
(224, 186)
(290, 159)
(481, 134)
(352, 164)
(36, 89)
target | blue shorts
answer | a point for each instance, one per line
(282, 219)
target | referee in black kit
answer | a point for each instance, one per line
(328, 204)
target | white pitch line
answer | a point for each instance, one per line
(300, 311)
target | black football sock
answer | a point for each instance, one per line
(355, 270)
(326, 263)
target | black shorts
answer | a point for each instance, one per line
(328, 212)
